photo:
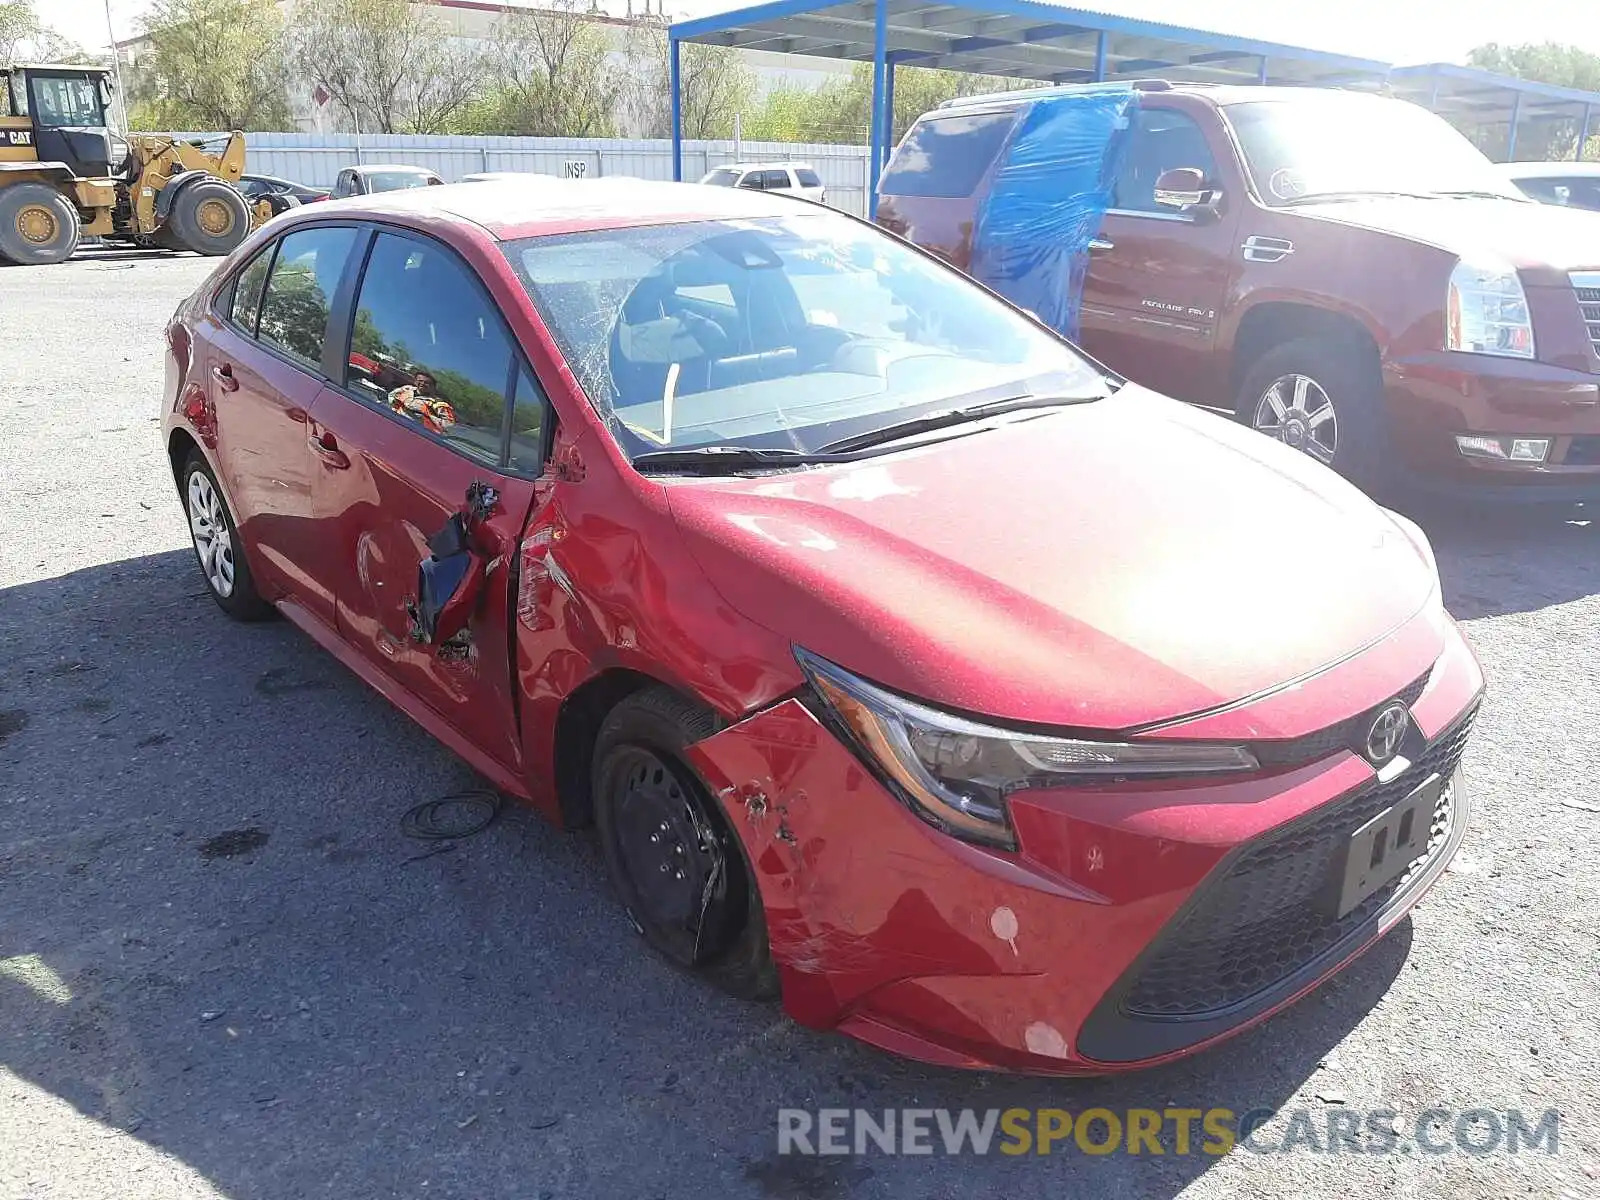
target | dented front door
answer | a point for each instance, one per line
(382, 491)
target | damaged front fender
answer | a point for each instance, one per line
(858, 892)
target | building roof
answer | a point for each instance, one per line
(1023, 39)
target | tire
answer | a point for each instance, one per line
(1304, 373)
(213, 533)
(654, 816)
(38, 225)
(210, 217)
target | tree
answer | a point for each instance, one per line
(212, 64)
(553, 74)
(714, 84)
(24, 37)
(1545, 62)
(841, 109)
(390, 65)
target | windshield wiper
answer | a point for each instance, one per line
(1341, 197)
(947, 417)
(718, 459)
(1474, 195)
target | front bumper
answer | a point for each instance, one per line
(1135, 923)
(1433, 397)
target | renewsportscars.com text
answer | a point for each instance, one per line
(1165, 1131)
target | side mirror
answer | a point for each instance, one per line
(1181, 188)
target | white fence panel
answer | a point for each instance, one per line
(317, 159)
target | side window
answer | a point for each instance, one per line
(753, 179)
(527, 425)
(1162, 140)
(772, 180)
(427, 344)
(294, 309)
(947, 156)
(808, 178)
(247, 290)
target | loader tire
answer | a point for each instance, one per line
(210, 217)
(38, 224)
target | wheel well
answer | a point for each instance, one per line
(577, 728)
(179, 446)
(1273, 324)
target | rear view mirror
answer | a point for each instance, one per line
(1181, 187)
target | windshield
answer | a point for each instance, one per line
(66, 102)
(1341, 144)
(789, 332)
(391, 181)
(721, 177)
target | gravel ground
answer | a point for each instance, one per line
(225, 972)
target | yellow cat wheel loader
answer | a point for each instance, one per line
(65, 174)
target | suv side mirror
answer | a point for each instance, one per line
(1181, 187)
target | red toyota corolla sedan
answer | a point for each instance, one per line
(993, 710)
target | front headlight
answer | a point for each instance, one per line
(1486, 310)
(956, 773)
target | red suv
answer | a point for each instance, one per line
(1341, 271)
(905, 662)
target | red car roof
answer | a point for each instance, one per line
(517, 208)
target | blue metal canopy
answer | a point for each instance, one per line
(1475, 98)
(1027, 39)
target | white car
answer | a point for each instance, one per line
(494, 176)
(1569, 184)
(788, 178)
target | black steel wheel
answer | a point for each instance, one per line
(673, 860)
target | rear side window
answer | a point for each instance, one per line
(1162, 140)
(247, 291)
(947, 156)
(807, 177)
(428, 345)
(294, 310)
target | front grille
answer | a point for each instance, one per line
(1275, 908)
(1349, 734)
(1587, 286)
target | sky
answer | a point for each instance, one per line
(1397, 31)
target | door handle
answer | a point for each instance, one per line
(1100, 245)
(224, 377)
(327, 448)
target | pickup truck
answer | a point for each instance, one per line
(1340, 270)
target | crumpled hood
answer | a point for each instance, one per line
(1543, 241)
(1104, 566)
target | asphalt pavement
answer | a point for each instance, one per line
(224, 970)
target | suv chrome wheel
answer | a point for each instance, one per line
(212, 541)
(1298, 411)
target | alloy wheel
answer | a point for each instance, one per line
(1298, 411)
(213, 541)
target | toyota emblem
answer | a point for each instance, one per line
(1383, 739)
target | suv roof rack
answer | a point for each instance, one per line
(1059, 89)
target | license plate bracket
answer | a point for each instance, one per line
(1381, 849)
